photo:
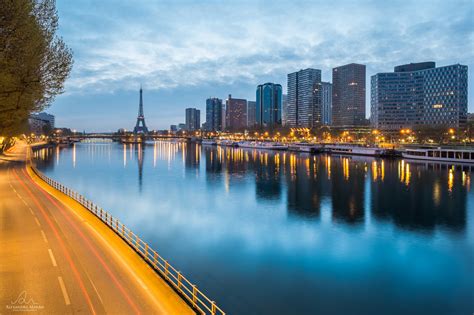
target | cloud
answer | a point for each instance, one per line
(171, 44)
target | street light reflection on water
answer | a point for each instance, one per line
(265, 232)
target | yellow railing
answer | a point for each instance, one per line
(195, 297)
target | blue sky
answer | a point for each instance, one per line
(185, 51)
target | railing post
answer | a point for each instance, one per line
(100, 214)
(194, 295)
(179, 281)
(146, 251)
(123, 230)
(166, 269)
(213, 308)
(137, 240)
(155, 259)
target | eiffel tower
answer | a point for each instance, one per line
(141, 118)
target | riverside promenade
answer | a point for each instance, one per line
(58, 258)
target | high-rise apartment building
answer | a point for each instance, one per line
(326, 103)
(251, 110)
(284, 109)
(304, 105)
(268, 105)
(348, 95)
(236, 113)
(193, 119)
(419, 94)
(214, 114)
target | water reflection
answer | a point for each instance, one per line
(410, 194)
(248, 215)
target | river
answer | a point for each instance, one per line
(264, 232)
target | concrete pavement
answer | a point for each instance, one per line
(58, 258)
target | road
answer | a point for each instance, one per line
(57, 258)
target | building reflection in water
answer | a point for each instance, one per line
(412, 195)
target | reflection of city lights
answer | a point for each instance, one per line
(345, 168)
(374, 170)
(328, 166)
(408, 174)
(154, 154)
(57, 155)
(382, 167)
(436, 193)
(74, 155)
(466, 180)
(450, 180)
(124, 155)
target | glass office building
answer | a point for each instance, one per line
(419, 95)
(303, 104)
(214, 114)
(268, 105)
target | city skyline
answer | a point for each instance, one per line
(180, 70)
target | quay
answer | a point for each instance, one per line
(64, 258)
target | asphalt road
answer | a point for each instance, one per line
(57, 258)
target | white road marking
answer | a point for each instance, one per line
(63, 289)
(37, 222)
(44, 236)
(52, 257)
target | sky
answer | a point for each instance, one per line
(183, 52)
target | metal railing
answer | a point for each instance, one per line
(195, 297)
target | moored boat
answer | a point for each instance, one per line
(354, 150)
(458, 155)
(305, 147)
(209, 142)
(262, 145)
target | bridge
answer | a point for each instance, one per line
(58, 256)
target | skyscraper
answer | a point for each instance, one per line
(268, 105)
(326, 103)
(251, 120)
(193, 119)
(214, 114)
(348, 95)
(304, 107)
(236, 113)
(419, 94)
(284, 109)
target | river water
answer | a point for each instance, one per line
(264, 232)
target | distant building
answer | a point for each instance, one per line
(224, 117)
(470, 117)
(284, 109)
(193, 119)
(182, 127)
(251, 110)
(173, 128)
(419, 94)
(236, 113)
(326, 103)
(304, 107)
(213, 114)
(348, 95)
(268, 105)
(41, 123)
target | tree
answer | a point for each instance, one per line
(34, 61)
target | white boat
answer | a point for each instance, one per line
(305, 147)
(209, 142)
(354, 150)
(227, 143)
(262, 145)
(459, 155)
